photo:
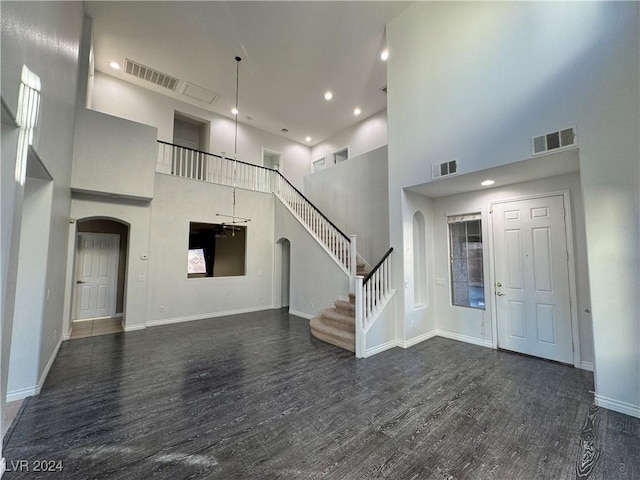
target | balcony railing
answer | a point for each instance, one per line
(208, 167)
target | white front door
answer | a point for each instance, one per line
(96, 275)
(533, 305)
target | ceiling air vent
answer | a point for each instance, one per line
(553, 141)
(444, 169)
(198, 93)
(150, 75)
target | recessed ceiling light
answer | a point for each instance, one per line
(486, 183)
(384, 55)
(308, 139)
(357, 112)
(234, 111)
(115, 65)
(328, 95)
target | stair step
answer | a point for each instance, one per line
(345, 307)
(330, 334)
(332, 317)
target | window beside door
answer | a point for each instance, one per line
(466, 257)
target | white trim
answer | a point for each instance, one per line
(204, 316)
(338, 150)
(587, 366)
(308, 316)
(45, 372)
(271, 152)
(66, 336)
(380, 348)
(114, 281)
(133, 328)
(119, 315)
(415, 340)
(617, 406)
(465, 338)
(3, 466)
(22, 393)
(35, 390)
(573, 298)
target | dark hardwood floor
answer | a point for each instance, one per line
(256, 397)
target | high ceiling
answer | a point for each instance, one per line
(292, 53)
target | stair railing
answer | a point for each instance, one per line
(208, 167)
(371, 292)
(340, 245)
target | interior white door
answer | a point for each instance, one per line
(96, 275)
(533, 303)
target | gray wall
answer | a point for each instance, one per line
(354, 196)
(44, 36)
(512, 71)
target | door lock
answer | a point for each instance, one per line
(498, 284)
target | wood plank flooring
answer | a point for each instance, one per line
(254, 396)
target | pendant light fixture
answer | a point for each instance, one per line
(235, 220)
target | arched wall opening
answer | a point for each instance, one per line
(282, 273)
(419, 260)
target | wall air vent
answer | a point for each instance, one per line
(444, 169)
(150, 75)
(201, 94)
(552, 141)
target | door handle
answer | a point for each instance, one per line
(80, 281)
(500, 294)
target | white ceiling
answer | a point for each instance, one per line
(292, 52)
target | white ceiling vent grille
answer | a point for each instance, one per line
(150, 75)
(444, 169)
(198, 93)
(554, 141)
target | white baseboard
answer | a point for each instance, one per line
(202, 316)
(308, 316)
(415, 340)
(133, 328)
(22, 393)
(617, 406)
(3, 466)
(45, 372)
(465, 338)
(587, 366)
(380, 348)
(119, 315)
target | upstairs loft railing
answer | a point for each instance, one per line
(371, 293)
(207, 167)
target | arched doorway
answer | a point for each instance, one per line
(99, 277)
(282, 268)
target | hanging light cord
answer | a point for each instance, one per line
(235, 140)
(235, 220)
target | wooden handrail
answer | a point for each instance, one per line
(314, 207)
(370, 274)
(270, 170)
(216, 155)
